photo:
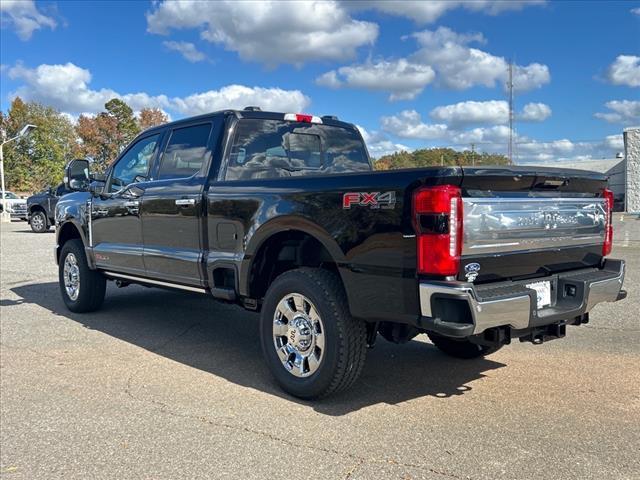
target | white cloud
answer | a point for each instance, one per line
(494, 139)
(494, 112)
(625, 70)
(269, 31)
(403, 79)
(408, 124)
(615, 142)
(239, 96)
(379, 144)
(535, 112)
(187, 49)
(429, 11)
(635, 11)
(626, 112)
(24, 17)
(66, 87)
(460, 66)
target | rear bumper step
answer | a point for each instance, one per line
(461, 309)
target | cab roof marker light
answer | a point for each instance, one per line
(301, 117)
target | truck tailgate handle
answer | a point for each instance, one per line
(183, 202)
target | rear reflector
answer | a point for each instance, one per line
(607, 246)
(301, 117)
(437, 216)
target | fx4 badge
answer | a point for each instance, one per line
(369, 199)
(472, 270)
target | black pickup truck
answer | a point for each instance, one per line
(283, 214)
(41, 207)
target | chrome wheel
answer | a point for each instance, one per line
(37, 221)
(71, 274)
(298, 335)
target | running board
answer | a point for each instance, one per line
(155, 282)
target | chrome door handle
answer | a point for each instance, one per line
(102, 211)
(181, 202)
(132, 204)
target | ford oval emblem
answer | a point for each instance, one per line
(472, 267)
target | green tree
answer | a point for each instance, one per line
(427, 157)
(38, 160)
(127, 127)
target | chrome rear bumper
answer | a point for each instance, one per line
(461, 309)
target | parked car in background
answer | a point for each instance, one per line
(16, 206)
(42, 206)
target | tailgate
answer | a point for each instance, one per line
(535, 223)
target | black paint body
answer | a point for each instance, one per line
(374, 249)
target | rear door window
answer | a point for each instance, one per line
(275, 148)
(185, 152)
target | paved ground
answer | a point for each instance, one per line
(162, 385)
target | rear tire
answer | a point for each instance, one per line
(39, 222)
(311, 343)
(461, 348)
(82, 289)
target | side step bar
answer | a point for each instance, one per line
(148, 281)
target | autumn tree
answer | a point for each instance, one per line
(36, 161)
(104, 136)
(150, 117)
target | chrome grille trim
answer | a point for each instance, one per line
(495, 225)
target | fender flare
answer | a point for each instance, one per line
(284, 224)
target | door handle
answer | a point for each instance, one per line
(102, 211)
(132, 204)
(183, 202)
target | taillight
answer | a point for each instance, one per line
(607, 246)
(437, 217)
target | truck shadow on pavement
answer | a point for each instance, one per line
(223, 340)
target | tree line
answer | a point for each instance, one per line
(427, 157)
(37, 161)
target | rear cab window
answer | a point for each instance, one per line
(268, 148)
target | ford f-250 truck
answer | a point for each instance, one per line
(283, 214)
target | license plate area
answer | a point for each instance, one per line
(543, 293)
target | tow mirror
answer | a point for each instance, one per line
(76, 174)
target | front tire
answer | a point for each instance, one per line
(82, 289)
(461, 348)
(311, 343)
(39, 222)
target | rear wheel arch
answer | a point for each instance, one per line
(283, 250)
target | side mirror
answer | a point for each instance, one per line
(76, 174)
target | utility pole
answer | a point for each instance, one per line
(510, 90)
(473, 154)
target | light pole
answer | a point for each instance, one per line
(26, 130)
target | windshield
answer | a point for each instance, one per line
(11, 196)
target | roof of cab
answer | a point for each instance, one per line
(326, 120)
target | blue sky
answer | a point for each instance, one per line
(410, 74)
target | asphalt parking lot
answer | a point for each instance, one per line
(163, 385)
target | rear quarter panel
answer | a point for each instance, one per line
(374, 248)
